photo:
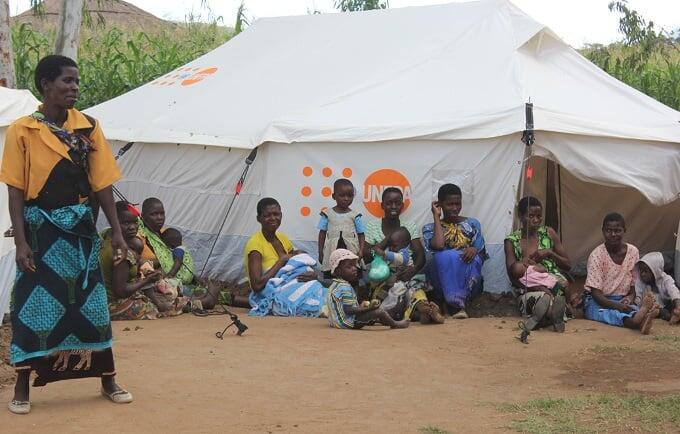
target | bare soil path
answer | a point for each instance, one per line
(294, 375)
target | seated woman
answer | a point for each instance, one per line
(377, 235)
(535, 248)
(130, 295)
(270, 254)
(151, 229)
(610, 285)
(458, 251)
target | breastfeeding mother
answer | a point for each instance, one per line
(535, 244)
(150, 230)
(54, 160)
(377, 231)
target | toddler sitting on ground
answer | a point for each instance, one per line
(651, 277)
(344, 309)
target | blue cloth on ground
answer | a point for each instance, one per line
(593, 311)
(284, 295)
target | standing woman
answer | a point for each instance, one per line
(54, 161)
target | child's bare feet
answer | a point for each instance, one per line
(436, 314)
(404, 323)
(648, 321)
(675, 316)
(648, 301)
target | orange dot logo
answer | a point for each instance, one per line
(307, 171)
(326, 192)
(306, 191)
(347, 172)
(377, 182)
(199, 76)
(305, 211)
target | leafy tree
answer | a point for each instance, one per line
(647, 58)
(361, 5)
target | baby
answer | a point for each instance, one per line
(169, 287)
(173, 239)
(395, 250)
(535, 278)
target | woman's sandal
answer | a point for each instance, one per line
(19, 407)
(119, 396)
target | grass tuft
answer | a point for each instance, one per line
(430, 429)
(595, 414)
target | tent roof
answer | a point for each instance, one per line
(14, 104)
(454, 71)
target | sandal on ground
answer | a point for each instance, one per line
(648, 321)
(461, 314)
(19, 407)
(119, 396)
(524, 336)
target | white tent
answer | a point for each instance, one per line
(410, 97)
(13, 104)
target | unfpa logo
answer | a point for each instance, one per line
(373, 188)
(185, 76)
(376, 183)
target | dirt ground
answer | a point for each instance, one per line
(295, 375)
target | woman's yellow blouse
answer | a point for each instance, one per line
(32, 150)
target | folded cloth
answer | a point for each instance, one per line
(284, 295)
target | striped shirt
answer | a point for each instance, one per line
(341, 294)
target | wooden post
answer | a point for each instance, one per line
(68, 28)
(7, 78)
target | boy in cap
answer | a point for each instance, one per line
(344, 309)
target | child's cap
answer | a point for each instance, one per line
(340, 255)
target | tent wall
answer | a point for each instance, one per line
(196, 185)
(584, 205)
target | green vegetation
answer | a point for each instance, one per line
(113, 62)
(432, 430)
(647, 59)
(668, 342)
(361, 5)
(596, 414)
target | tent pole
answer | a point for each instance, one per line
(237, 191)
(528, 140)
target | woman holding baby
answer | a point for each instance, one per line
(535, 260)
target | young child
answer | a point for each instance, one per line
(395, 250)
(173, 239)
(340, 227)
(610, 289)
(650, 277)
(344, 310)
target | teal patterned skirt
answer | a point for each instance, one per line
(60, 318)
